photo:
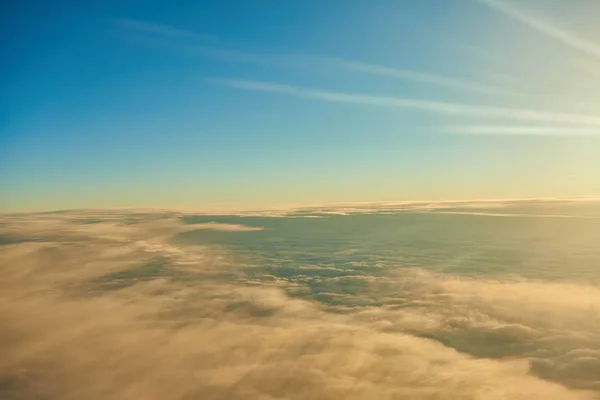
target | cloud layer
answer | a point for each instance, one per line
(113, 310)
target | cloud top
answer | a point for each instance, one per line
(115, 310)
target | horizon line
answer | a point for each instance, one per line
(307, 206)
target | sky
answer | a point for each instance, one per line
(237, 104)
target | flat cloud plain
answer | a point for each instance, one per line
(109, 306)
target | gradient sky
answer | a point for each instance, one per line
(219, 104)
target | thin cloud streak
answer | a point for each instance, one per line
(558, 33)
(422, 77)
(464, 110)
(160, 29)
(523, 130)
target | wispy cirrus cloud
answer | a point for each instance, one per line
(523, 130)
(438, 107)
(304, 61)
(562, 35)
(421, 77)
(196, 44)
(179, 40)
(160, 29)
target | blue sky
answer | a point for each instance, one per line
(218, 104)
